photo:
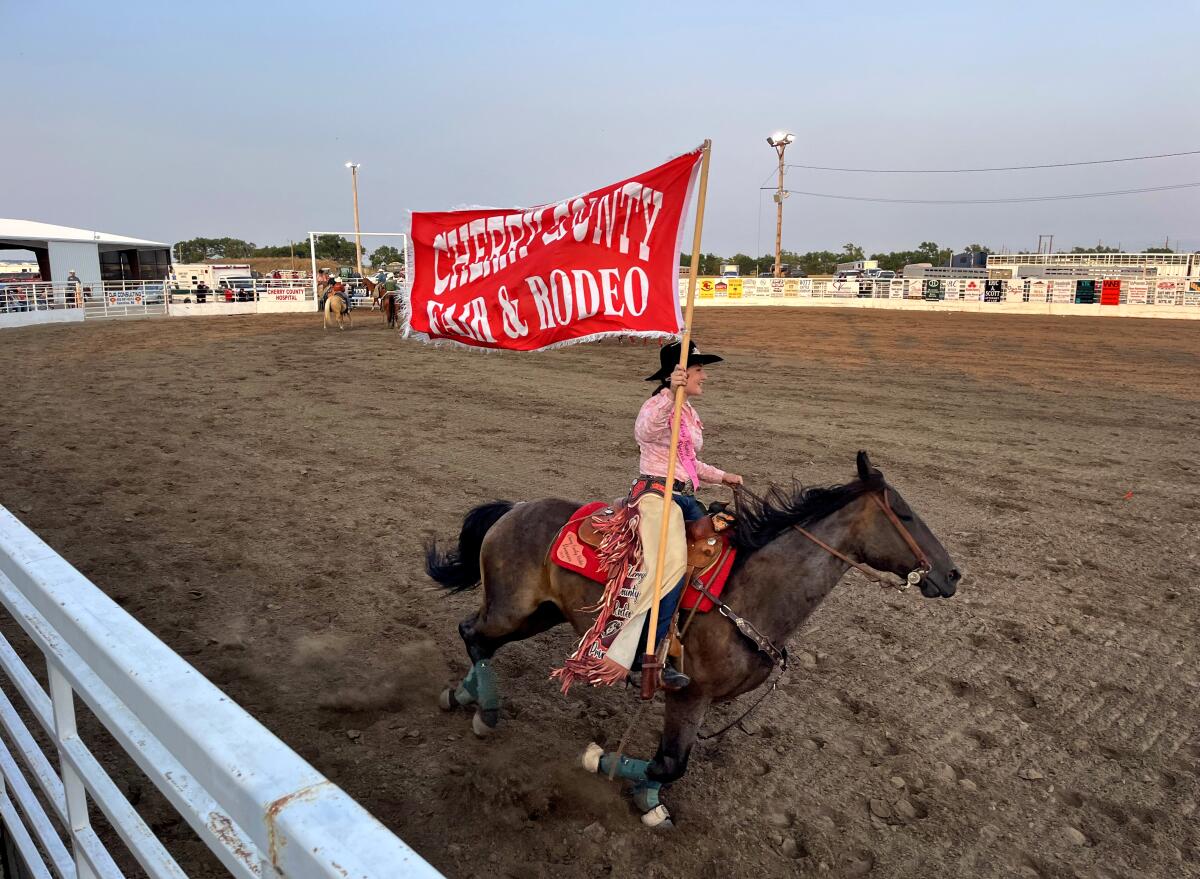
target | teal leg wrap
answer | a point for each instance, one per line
(487, 692)
(634, 770)
(645, 795)
(468, 691)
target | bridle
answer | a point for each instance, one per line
(778, 655)
(880, 497)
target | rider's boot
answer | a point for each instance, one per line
(673, 680)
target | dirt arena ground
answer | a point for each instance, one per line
(255, 491)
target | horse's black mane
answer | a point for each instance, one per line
(759, 521)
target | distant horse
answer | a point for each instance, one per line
(337, 306)
(384, 299)
(779, 578)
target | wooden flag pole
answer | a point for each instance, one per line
(650, 663)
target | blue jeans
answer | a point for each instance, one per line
(692, 510)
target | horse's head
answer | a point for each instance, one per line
(895, 539)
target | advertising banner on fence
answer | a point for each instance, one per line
(1138, 292)
(284, 294)
(601, 264)
(1039, 291)
(1062, 290)
(1166, 292)
(126, 297)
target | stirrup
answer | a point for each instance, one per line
(673, 680)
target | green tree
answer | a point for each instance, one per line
(300, 248)
(1159, 250)
(386, 254)
(1099, 248)
(852, 252)
(748, 264)
(199, 249)
(335, 247)
(814, 262)
(930, 252)
(896, 260)
(710, 263)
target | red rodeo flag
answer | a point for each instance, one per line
(598, 265)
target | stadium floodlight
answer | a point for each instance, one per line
(353, 165)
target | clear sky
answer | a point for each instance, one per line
(176, 120)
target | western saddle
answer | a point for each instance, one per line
(703, 543)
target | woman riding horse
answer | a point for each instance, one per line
(606, 655)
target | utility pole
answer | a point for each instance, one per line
(779, 140)
(354, 166)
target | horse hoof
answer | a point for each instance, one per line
(658, 818)
(446, 700)
(591, 757)
(480, 727)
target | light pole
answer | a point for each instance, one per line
(354, 166)
(779, 140)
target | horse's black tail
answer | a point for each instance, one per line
(458, 569)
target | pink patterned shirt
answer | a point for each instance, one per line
(653, 434)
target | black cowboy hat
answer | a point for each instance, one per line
(668, 357)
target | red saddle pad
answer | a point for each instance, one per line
(573, 554)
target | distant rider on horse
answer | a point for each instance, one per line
(607, 656)
(329, 284)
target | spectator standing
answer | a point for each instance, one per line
(74, 293)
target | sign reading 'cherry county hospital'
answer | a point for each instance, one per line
(598, 265)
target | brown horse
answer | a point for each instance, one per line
(383, 299)
(779, 579)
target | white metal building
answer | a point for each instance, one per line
(1097, 265)
(94, 256)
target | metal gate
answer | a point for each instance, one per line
(112, 299)
(262, 810)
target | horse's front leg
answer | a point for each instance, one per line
(685, 713)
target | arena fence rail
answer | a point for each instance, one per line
(1118, 297)
(255, 803)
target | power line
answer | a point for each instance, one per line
(1005, 168)
(1031, 198)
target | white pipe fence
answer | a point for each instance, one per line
(1184, 292)
(95, 299)
(263, 811)
(243, 290)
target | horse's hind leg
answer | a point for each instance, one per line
(512, 616)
